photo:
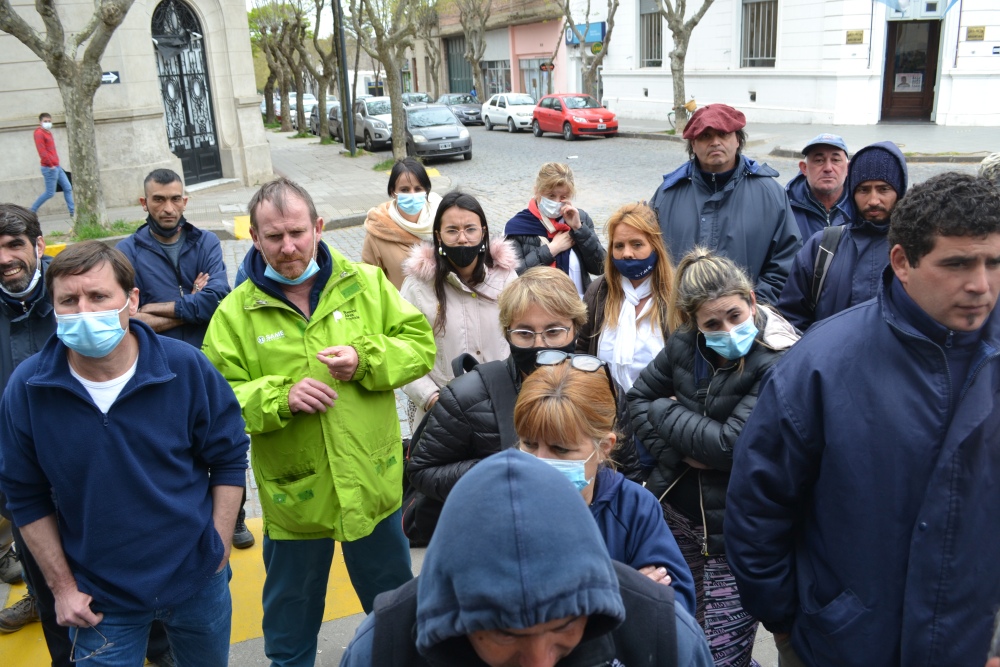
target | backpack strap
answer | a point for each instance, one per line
(463, 363)
(824, 257)
(395, 618)
(503, 394)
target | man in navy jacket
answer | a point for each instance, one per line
(861, 515)
(817, 193)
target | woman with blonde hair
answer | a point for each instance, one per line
(553, 232)
(689, 407)
(628, 307)
(565, 415)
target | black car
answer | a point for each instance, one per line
(466, 107)
(434, 131)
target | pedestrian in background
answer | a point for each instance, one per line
(553, 232)
(455, 281)
(688, 408)
(817, 193)
(53, 174)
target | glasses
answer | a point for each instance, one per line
(472, 233)
(581, 362)
(104, 647)
(553, 336)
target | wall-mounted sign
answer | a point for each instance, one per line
(975, 33)
(596, 47)
(547, 66)
(110, 77)
(912, 82)
(592, 33)
(855, 36)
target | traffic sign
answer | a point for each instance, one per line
(547, 66)
(110, 77)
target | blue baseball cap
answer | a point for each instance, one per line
(826, 139)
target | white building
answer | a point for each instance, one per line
(851, 62)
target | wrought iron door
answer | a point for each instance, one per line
(184, 86)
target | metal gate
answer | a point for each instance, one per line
(459, 72)
(187, 98)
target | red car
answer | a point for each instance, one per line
(572, 115)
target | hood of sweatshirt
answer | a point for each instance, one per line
(516, 546)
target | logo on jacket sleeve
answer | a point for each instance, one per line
(269, 337)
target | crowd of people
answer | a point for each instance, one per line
(754, 405)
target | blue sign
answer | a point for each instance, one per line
(593, 33)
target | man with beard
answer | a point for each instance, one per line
(842, 266)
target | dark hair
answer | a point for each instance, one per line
(16, 221)
(741, 137)
(44, 115)
(949, 204)
(80, 258)
(275, 192)
(466, 202)
(162, 177)
(408, 166)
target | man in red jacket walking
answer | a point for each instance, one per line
(51, 171)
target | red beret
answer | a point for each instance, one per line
(719, 117)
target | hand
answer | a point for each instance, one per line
(560, 242)
(199, 283)
(432, 402)
(310, 396)
(571, 216)
(657, 574)
(341, 361)
(695, 464)
(73, 608)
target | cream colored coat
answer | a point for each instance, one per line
(473, 323)
(386, 244)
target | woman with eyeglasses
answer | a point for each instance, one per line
(474, 414)
(455, 282)
(553, 232)
(565, 415)
(688, 407)
(394, 227)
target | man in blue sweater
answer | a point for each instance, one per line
(128, 515)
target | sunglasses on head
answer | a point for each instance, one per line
(581, 362)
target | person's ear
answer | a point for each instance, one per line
(802, 166)
(900, 264)
(608, 445)
(142, 203)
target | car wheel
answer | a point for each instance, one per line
(568, 132)
(369, 144)
(487, 124)
(468, 156)
(510, 125)
(536, 129)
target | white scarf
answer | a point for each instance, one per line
(625, 334)
(424, 226)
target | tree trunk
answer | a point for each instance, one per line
(79, 107)
(677, 59)
(324, 121)
(392, 82)
(269, 98)
(286, 118)
(434, 70)
(300, 107)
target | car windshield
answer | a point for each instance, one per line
(431, 117)
(379, 108)
(419, 97)
(581, 102)
(464, 99)
(520, 99)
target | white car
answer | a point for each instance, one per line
(511, 109)
(373, 122)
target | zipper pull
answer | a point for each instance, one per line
(948, 341)
(181, 290)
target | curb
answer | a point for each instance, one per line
(677, 139)
(910, 159)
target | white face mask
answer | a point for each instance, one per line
(47, 125)
(550, 208)
(31, 284)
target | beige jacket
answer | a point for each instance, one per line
(473, 323)
(386, 244)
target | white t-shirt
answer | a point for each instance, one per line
(105, 393)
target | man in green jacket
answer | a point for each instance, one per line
(313, 345)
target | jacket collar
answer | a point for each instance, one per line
(144, 235)
(744, 167)
(256, 265)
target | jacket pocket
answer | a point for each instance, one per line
(292, 502)
(837, 615)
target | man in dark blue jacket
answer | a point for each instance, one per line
(817, 194)
(146, 506)
(876, 179)
(724, 201)
(861, 515)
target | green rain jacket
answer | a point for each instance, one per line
(334, 474)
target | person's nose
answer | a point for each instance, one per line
(536, 652)
(288, 246)
(628, 254)
(978, 282)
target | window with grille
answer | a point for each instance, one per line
(760, 33)
(650, 34)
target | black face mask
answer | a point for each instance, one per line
(461, 255)
(155, 227)
(524, 357)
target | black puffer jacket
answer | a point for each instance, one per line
(704, 421)
(586, 245)
(462, 429)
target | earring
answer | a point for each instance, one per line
(441, 250)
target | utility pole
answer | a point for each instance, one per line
(346, 105)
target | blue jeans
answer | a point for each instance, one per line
(198, 630)
(53, 175)
(297, 575)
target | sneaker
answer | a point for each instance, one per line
(10, 568)
(242, 537)
(19, 614)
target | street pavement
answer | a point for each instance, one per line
(609, 173)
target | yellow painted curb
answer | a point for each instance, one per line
(54, 249)
(26, 648)
(241, 227)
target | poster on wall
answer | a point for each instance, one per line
(909, 83)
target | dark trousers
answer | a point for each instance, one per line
(56, 636)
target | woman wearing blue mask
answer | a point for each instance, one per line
(455, 281)
(394, 227)
(565, 415)
(688, 408)
(553, 232)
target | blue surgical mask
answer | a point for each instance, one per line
(735, 343)
(550, 208)
(91, 334)
(635, 269)
(311, 270)
(575, 471)
(411, 203)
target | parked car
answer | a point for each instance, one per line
(373, 122)
(335, 122)
(433, 131)
(331, 102)
(573, 115)
(411, 98)
(466, 107)
(510, 109)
